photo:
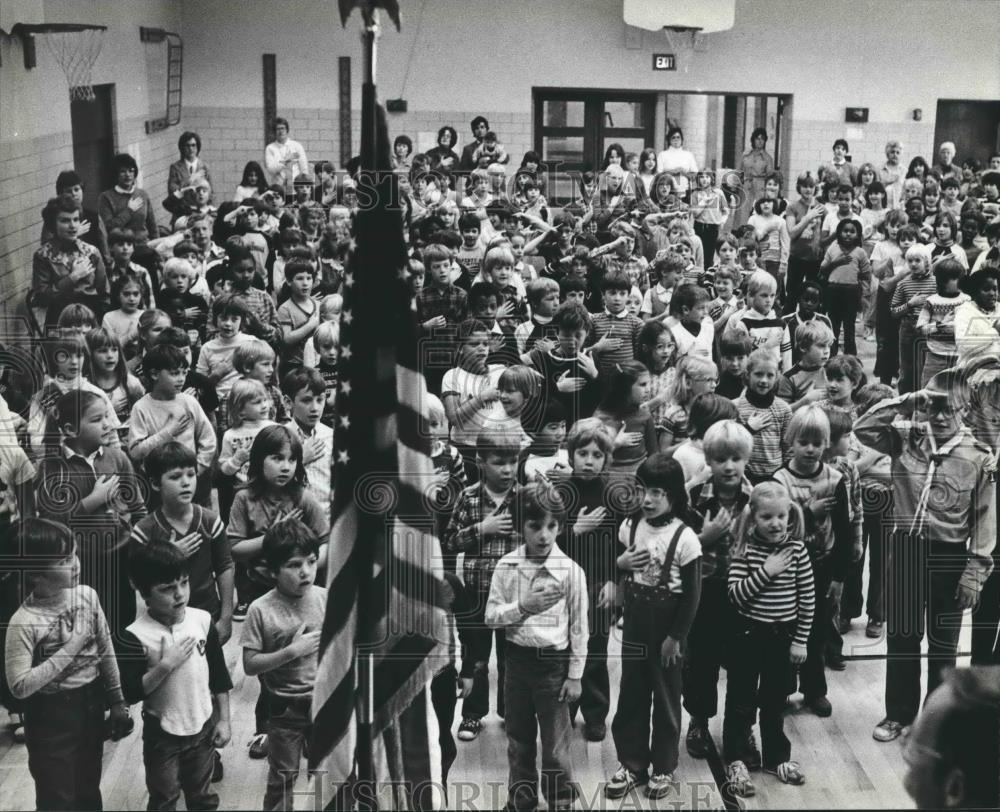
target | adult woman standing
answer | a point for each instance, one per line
(190, 168)
(678, 162)
(125, 205)
(756, 166)
(444, 154)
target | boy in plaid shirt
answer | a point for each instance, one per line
(482, 528)
(263, 321)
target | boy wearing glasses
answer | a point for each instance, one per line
(945, 531)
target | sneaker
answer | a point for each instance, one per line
(819, 705)
(753, 759)
(622, 782)
(469, 729)
(217, 768)
(595, 732)
(887, 730)
(258, 746)
(19, 734)
(788, 772)
(240, 612)
(874, 629)
(659, 785)
(844, 625)
(738, 780)
(697, 739)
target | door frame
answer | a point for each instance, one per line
(93, 186)
(593, 130)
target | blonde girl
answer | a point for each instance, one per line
(696, 375)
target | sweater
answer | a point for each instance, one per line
(913, 285)
(830, 538)
(795, 383)
(689, 343)
(113, 209)
(974, 331)
(940, 311)
(36, 635)
(626, 327)
(765, 330)
(769, 442)
(149, 427)
(789, 597)
(597, 550)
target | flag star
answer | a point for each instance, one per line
(347, 317)
(345, 352)
(403, 274)
(342, 457)
(345, 387)
(349, 280)
(345, 421)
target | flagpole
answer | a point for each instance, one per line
(365, 755)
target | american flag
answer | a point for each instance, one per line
(384, 571)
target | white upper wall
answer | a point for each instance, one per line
(474, 54)
(35, 103)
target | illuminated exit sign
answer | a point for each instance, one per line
(664, 62)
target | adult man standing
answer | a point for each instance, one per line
(284, 158)
(480, 126)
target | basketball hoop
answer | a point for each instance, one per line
(75, 47)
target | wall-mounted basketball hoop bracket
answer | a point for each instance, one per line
(75, 47)
(175, 73)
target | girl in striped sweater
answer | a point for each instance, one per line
(771, 585)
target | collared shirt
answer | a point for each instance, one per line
(462, 535)
(560, 627)
(960, 508)
(432, 302)
(705, 502)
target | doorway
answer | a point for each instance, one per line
(973, 126)
(92, 125)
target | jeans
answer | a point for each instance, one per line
(986, 620)
(64, 732)
(877, 501)
(909, 355)
(646, 682)
(934, 363)
(757, 677)
(534, 678)
(799, 270)
(921, 581)
(178, 763)
(708, 233)
(707, 649)
(842, 308)
(812, 673)
(595, 701)
(444, 697)
(480, 637)
(288, 728)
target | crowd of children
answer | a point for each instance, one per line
(641, 415)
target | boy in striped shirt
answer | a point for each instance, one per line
(771, 585)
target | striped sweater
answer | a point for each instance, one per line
(765, 330)
(913, 285)
(789, 597)
(624, 327)
(768, 443)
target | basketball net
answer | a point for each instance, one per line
(76, 52)
(682, 42)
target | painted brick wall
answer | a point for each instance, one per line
(28, 170)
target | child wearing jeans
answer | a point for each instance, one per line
(60, 661)
(538, 596)
(281, 643)
(771, 585)
(171, 660)
(481, 526)
(716, 507)
(663, 556)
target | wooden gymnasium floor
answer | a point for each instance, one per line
(845, 768)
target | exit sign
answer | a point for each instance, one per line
(664, 62)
